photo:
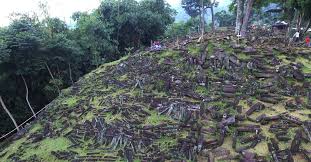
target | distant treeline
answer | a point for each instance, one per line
(43, 56)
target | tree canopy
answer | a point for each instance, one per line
(49, 55)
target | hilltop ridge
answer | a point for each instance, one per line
(222, 99)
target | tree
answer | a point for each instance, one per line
(8, 112)
(27, 45)
(212, 5)
(224, 18)
(247, 14)
(39, 57)
(298, 11)
(195, 8)
(95, 37)
(27, 97)
(243, 13)
(136, 23)
(239, 16)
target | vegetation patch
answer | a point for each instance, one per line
(194, 50)
(155, 119)
(44, 148)
(71, 102)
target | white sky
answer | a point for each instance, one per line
(57, 8)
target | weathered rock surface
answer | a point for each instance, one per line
(218, 100)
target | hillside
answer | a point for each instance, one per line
(219, 100)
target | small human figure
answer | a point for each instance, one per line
(296, 36)
(308, 41)
(157, 45)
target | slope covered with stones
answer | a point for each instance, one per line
(219, 100)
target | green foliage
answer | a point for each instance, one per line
(136, 23)
(225, 19)
(155, 119)
(194, 50)
(94, 36)
(51, 56)
(201, 90)
(181, 29)
(193, 7)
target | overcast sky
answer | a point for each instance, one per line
(58, 8)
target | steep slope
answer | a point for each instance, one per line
(217, 100)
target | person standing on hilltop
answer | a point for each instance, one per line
(296, 36)
(308, 41)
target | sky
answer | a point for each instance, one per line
(57, 8)
(62, 8)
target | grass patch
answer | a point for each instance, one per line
(155, 119)
(115, 62)
(194, 50)
(96, 102)
(109, 117)
(306, 64)
(165, 143)
(123, 77)
(36, 127)
(243, 56)
(261, 149)
(45, 147)
(201, 90)
(167, 54)
(71, 102)
(13, 148)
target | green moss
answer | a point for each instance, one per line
(219, 104)
(44, 148)
(210, 48)
(282, 57)
(118, 92)
(306, 64)
(194, 50)
(123, 77)
(159, 94)
(89, 116)
(36, 127)
(96, 101)
(201, 90)
(167, 54)
(115, 62)
(165, 143)
(71, 102)
(155, 119)
(191, 74)
(159, 86)
(222, 73)
(243, 56)
(12, 149)
(109, 117)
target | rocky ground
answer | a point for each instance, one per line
(220, 100)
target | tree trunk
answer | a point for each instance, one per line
(70, 73)
(202, 22)
(50, 72)
(213, 20)
(27, 97)
(8, 112)
(287, 35)
(246, 17)
(307, 27)
(202, 19)
(47, 66)
(299, 20)
(238, 21)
